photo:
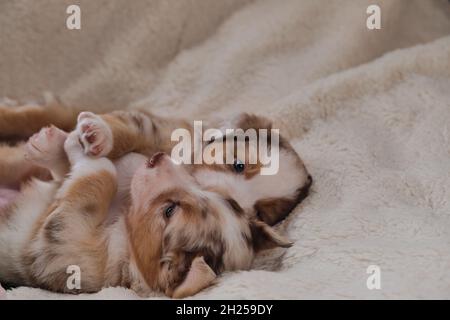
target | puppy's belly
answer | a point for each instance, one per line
(7, 196)
(126, 167)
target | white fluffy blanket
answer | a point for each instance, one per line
(368, 111)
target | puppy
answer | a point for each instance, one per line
(270, 198)
(173, 235)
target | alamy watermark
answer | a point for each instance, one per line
(227, 146)
(74, 279)
(374, 280)
(73, 21)
(373, 22)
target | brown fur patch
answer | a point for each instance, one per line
(131, 135)
(53, 228)
(264, 237)
(23, 121)
(93, 193)
(250, 121)
(273, 210)
(235, 206)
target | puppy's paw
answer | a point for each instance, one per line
(46, 147)
(95, 134)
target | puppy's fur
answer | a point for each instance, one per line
(53, 225)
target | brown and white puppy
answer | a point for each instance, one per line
(173, 235)
(271, 197)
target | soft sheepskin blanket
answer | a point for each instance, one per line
(368, 111)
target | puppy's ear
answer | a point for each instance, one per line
(199, 276)
(250, 121)
(265, 237)
(273, 210)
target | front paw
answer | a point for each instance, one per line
(46, 146)
(94, 134)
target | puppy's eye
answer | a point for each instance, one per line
(170, 210)
(238, 166)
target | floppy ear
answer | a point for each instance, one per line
(199, 276)
(264, 237)
(250, 121)
(273, 210)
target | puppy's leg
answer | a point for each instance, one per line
(22, 121)
(43, 152)
(92, 181)
(120, 132)
(14, 168)
(70, 233)
(46, 149)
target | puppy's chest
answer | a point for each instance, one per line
(7, 196)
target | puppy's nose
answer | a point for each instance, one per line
(155, 159)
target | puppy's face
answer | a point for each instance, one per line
(270, 197)
(176, 229)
